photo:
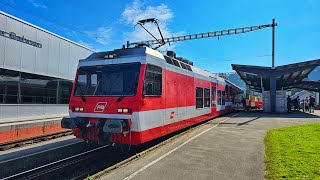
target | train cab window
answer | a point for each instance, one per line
(206, 97)
(199, 97)
(176, 63)
(213, 96)
(219, 97)
(153, 81)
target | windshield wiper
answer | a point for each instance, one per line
(81, 92)
(120, 98)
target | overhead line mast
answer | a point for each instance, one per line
(212, 34)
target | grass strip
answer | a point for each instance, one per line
(293, 152)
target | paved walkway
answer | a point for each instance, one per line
(232, 150)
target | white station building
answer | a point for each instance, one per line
(37, 69)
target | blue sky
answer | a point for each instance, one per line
(105, 25)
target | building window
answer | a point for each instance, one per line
(153, 81)
(37, 89)
(64, 91)
(9, 85)
(219, 97)
(26, 88)
(199, 97)
(206, 97)
(213, 96)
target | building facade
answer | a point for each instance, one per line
(37, 69)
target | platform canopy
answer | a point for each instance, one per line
(287, 76)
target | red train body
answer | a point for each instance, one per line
(135, 95)
(255, 102)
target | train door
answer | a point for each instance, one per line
(171, 98)
(214, 99)
(220, 107)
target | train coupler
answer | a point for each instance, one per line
(73, 122)
(115, 126)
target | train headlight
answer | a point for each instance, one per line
(78, 109)
(124, 110)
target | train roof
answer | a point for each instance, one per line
(143, 51)
(235, 86)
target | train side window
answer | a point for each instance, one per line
(153, 81)
(199, 97)
(223, 98)
(231, 95)
(226, 93)
(219, 97)
(176, 63)
(206, 97)
(213, 96)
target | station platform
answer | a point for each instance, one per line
(233, 148)
(15, 131)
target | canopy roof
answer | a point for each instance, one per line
(287, 76)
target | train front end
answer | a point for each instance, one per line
(107, 91)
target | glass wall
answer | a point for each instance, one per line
(26, 88)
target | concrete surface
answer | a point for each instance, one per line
(14, 131)
(232, 150)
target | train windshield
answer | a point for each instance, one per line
(108, 80)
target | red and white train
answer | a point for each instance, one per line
(134, 95)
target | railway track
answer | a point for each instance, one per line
(100, 159)
(48, 169)
(23, 142)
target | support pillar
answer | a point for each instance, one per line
(273, 37)
(317, 99)
(273, 90)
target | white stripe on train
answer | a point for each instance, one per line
(145, 120)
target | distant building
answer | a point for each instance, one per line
(37, 68)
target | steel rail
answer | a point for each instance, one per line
(35, 172)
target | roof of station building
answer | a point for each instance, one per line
(287, 76)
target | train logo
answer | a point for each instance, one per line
(100, 107)
(172, 115)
